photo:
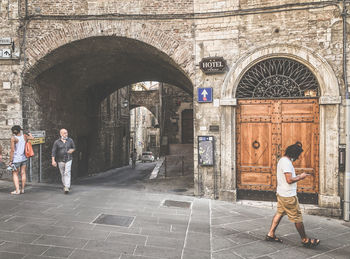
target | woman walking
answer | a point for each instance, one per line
(18, 160)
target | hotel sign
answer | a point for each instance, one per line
(5, 41)
(213, 65)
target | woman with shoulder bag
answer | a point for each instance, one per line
(18, 160)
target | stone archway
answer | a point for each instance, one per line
(71, 70)
(329, 114)
(168, 43)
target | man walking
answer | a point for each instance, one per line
(287, 200)
(133, 158)
(62, 155)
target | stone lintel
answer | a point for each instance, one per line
(228, 102)
(330, 99)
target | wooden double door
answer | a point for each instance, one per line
(265, 128)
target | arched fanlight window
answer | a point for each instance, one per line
(278, 77)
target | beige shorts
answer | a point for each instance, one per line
(289, 206)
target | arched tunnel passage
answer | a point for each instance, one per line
(162, 123)
(82, 86)
(144, 131)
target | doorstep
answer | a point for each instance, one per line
(309, 209)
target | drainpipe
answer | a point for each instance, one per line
(347, 120)
(347, 161)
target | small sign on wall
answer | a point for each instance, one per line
(6, 85)
(5, 41)
(213, 65)
(206, 150)
(205, 95)
(5, 53)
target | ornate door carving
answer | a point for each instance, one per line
(264, 129)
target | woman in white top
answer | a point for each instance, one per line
(18, 160)
(0, 153)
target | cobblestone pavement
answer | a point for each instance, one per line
(45, 223)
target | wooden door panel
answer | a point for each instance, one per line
(293, 132)
(256, 144)
(301, 132)
(274, 125)
(297, 112)
(255, 166)
(300, 123)
(254, 135)
(249, 179)
(256, 112)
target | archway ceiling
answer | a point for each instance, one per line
(103, 65)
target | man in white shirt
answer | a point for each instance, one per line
(287, 200)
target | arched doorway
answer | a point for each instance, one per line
(277, 105)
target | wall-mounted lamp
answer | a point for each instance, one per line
(310, 93)
(125, 103)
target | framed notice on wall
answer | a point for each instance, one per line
(206, 150)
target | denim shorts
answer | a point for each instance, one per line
(20, 164)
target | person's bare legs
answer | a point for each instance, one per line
(275, 222)
(307, 242)
(301, 230)
(24, 177)
(15, 181)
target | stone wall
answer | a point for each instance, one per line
(10, 71)
(111, 148)
(245, 39)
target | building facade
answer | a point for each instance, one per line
(284, 79)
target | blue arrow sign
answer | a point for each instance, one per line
(205, 95)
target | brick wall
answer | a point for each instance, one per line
(101, 7)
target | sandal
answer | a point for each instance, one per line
(22, 191)
(311, 242)
(15, 192)
(273, 239)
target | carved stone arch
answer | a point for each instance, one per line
(166, 42)
(329, 118)
(317, 65)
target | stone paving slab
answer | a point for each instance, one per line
(43, 229)
(17, 237)
(45, 223)
(127, 238)
(62, 252)
(23, 248)
(7, 255)
(110, 247)
(61, 241)
(166, 242)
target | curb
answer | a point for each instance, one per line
(156, 169)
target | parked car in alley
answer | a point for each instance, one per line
(147, 156)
